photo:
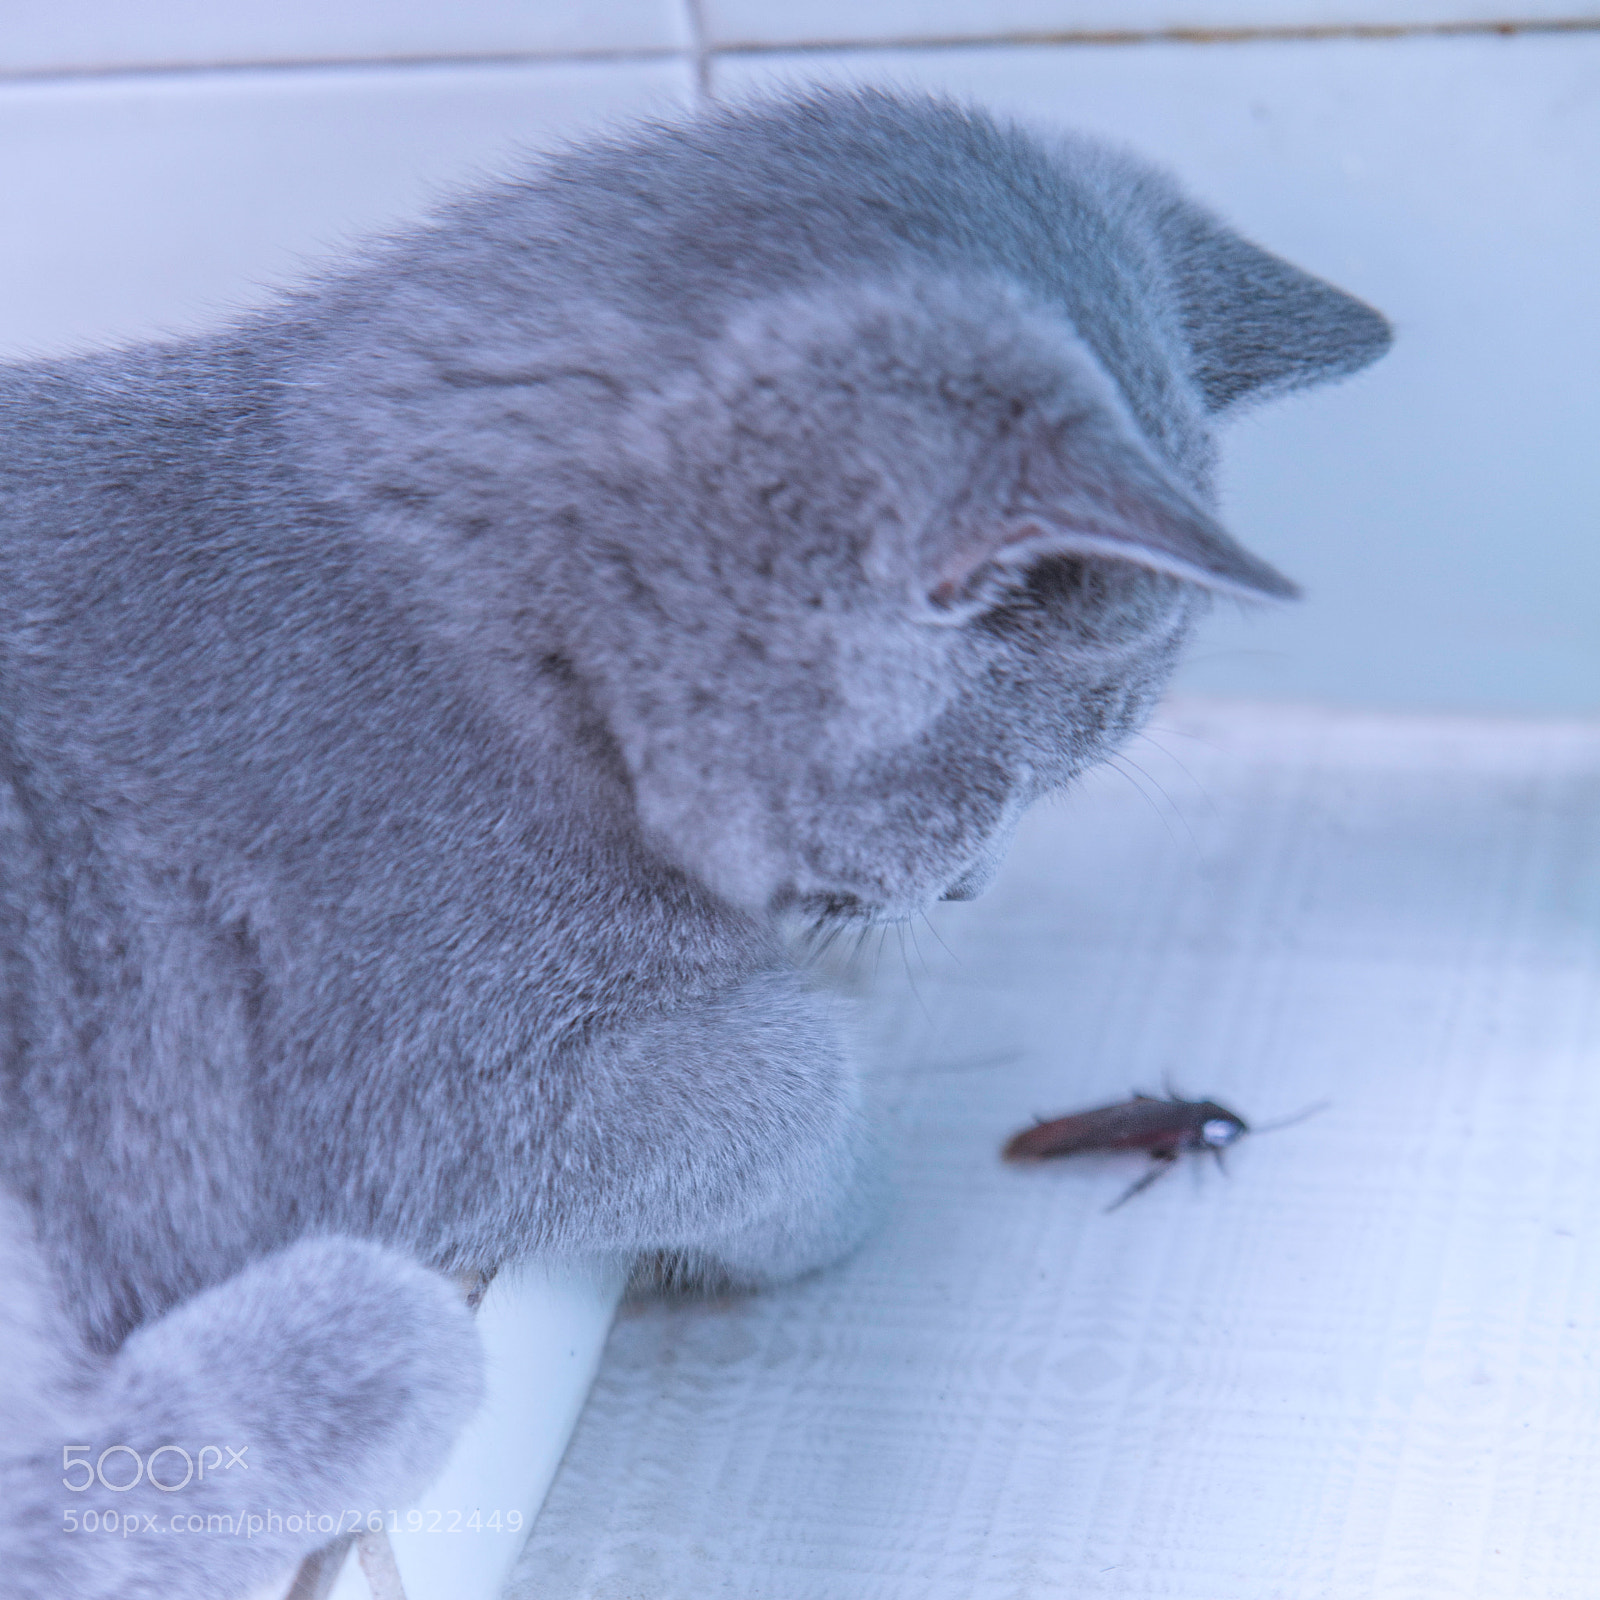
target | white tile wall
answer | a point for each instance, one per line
(1443, 509)
(743, 22)
(139, 205)
(54, 35)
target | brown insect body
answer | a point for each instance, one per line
(1165, 1129)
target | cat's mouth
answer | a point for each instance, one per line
(823, 916)
(817, 919)
(834, 906)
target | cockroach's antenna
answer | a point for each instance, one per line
(1289, 1122)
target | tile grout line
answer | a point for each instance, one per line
(1035, 38)
(702, 52)
(289, 65)
(699, 51)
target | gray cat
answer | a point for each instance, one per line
(422, 704)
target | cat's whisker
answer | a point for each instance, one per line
(827, 931)
(916, 948)
(911, 979)
(1172, 805)
(1113, 762)
(940, 937)
(1181, 733)
(1149, 737)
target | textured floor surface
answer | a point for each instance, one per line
(1367, 1363)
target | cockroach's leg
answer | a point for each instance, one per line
(1161, 1161)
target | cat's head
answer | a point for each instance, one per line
(886, 499)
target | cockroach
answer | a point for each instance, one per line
(1164, 1129)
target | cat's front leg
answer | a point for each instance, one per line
(821, 1218)
(730, 1139)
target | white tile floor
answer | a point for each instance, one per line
(1362, 1367)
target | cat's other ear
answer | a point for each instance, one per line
(1082, 486)
(1256, 325)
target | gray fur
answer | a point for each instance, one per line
(421, 704)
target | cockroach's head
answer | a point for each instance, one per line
(1217, 1127)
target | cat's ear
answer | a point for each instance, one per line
(1256, 325)
(1080, 487)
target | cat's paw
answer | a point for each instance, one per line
(838, 1200)
(348, 1369)
(245, 1428)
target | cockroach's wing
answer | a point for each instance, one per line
(1062, 1136)
(1137, 1124)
